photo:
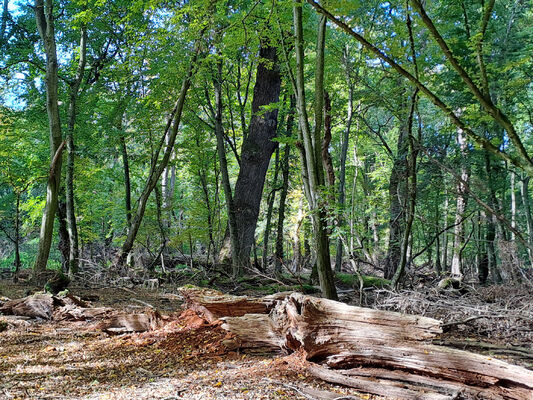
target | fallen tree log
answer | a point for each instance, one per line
(36, 306)
(374, 351)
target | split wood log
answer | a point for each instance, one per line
(389, 349)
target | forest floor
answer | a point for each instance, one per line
(186, 358)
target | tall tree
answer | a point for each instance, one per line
(312, 167)
(45, 23)
(257, 149)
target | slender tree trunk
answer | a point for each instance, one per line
(63, 245)
(157, 169)
(407, 246)
(45, 24)
(270, 200)
(17, 234)
(73, 263)
(312, 149)
(219, 133)
(527, 210)
(444, 262)
(344, 153)
(457, 267)
(490, 234)
(257, 149)
(513, 204)
(127, 183)
(284, 188)
(397, 201)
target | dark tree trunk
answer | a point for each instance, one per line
(17, 235)
(127, 184)
(256, 152)
(63, 245)
(270, 200)
(284, 188)
(397, 193)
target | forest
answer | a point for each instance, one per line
(308, 199)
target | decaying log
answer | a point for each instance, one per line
(214, 304)
(125, 323)
(75, 313)
(36, 306)
(326, 327)
(374, 351)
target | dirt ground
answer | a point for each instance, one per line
(183, 360)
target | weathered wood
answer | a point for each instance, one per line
(36, 306)
(375, 386)
(326, 327)
(214, 304)
(389, 349)
(125, 323)
(76, 313)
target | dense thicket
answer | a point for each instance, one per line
(394, 137)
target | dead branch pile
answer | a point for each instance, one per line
(500, 313)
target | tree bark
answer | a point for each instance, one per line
(127, 183)
(270, 207)
(257, 150)
(279, 256)
(73, 262)
(397, 201)
(45, 24)
(457, 268)
(230, 205)
(311, 153)
(524, 189)
(343, 156)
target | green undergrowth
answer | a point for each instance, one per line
(368, 281)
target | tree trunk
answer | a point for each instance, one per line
(444, 262)
(513, 204)
(173, 124)
(257, 150)
(279, 256)
(45, 24)
(397, 201)
(17, 234)
(73, 261)
(457, 267)
(411, 194)
(490, 235)
(311, 155)
(3, 24)
(270, 207)
(230, 205)
(527, 210)
(127, 184)
(343, 156)
(63, 245)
